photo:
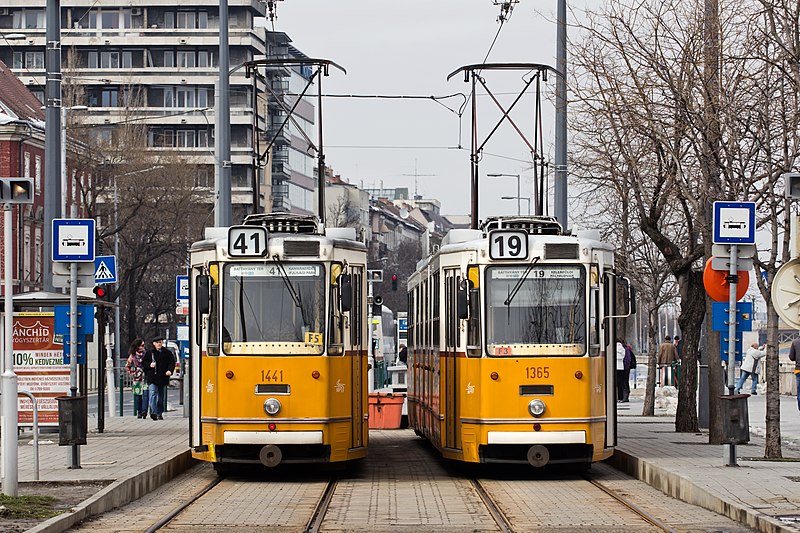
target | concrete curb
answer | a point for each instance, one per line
(678, 487)
(119, 493)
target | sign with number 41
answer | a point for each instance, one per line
(247, 241)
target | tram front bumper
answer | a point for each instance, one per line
(272, 437)
(536, 437)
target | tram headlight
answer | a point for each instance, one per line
(272, 406)
(536, 408)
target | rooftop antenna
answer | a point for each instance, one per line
(417, 175)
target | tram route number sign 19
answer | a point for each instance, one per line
(247, 241)
(508, 244)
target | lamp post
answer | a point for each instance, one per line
(519, 209)
(517, 198)
(65, 189)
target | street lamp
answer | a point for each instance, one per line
(519, 209)
(518, 199)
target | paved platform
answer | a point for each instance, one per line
(139, 455)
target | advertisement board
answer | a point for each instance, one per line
(39, 365)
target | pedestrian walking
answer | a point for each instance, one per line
(134, 366)
(794, 355)
(628, 363)
(158, 363)
(620, 368)
(678, 346)
(752, 360)
(667, 354)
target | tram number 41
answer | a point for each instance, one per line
(533, 372)
(247, 241)
(272, 375)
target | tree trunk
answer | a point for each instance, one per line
(693, 309)
(772, 448)
(650, 387)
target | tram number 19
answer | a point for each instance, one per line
(508, 245)
(537, 372)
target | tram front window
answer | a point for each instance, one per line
(273, 308)
(543, 313)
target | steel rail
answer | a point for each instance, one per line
(500, 518)
(175, 512)
(315, 523)
(636, 509)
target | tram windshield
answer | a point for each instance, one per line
(273, 308)
(546, 316)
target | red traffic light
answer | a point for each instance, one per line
(394, 282)
(99, 292)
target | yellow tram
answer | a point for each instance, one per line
(511, 337)
(278, 327)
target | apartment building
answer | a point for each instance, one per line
(157, 63)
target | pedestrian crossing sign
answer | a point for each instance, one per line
(105, 269)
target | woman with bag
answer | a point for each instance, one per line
(134, 366)
(752, 359)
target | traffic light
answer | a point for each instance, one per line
(377, 306)
(792, 181)
(394, 282)
(16, 190)
(100, 292)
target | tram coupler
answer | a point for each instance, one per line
(538, 455)
(270, 455)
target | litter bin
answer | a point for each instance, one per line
(735, 420)
(72, 420)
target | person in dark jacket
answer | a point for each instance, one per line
(158, 364)
(794, 355)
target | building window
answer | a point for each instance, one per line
(169, 20)
(202, 97)
(186, 19)
(184, 97)
(185, 138)
(205, 59)
(109, 60)
(29, 19)
(202, 139)
(17, 63)
(185, 59)
(34, 59)
(91, 59)
(26, 166)
(202, 20)
(169, 58)
(127, 59)
(110, 19)
(109, 97)
(37, 172)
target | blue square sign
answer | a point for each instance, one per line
(734, 223)
(73, 240)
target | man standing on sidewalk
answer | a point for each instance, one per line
(158, 365)
(794, 355)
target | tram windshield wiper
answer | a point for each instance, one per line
(296, 298)
(521, 280)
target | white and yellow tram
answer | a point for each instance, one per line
(511, 336)
(278, 332)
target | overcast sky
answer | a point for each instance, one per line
(409, 47)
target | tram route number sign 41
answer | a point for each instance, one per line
(247, 241)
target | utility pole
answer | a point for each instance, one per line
(222, 115)
(52, 139)
(560, 191)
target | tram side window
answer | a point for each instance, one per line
(411, 320)
(436, 310)
(594, 322)
(213, 320)
(356, 312)
(474, 322)
(335, 343)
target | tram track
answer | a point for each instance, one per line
(169, 517)
(315, 523)
(497, 514)
(647, 517)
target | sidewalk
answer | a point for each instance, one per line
(763, 494)
(139, 455)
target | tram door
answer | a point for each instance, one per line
(356, 361)
(451, 341)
